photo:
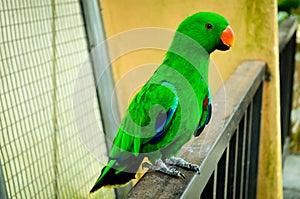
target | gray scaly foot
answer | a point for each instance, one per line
(162, 167)
(182, 163)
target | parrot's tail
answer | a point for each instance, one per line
(112, 177)
(118, 172)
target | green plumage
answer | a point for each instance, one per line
(172, 105)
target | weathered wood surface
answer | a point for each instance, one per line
(286, 30)
(229, 105)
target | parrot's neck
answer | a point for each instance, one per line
(188, 57)
(189, 64)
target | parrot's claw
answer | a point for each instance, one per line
(147, 165)
(162, 167)
(182, 163)
(182, 175)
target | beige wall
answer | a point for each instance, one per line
(255, 26)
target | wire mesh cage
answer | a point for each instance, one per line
(43, 151)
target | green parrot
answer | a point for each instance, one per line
(172, 106)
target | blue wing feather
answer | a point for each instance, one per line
(161, 125)
(164, 118)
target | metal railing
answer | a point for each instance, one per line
(287, 48)
(227, 152)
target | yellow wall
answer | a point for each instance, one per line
(255, 27)
(127, 15)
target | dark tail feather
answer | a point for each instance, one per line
(111, 178)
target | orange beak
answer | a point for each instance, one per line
(227, 36)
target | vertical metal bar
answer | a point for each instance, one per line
(209, 191)
(236, 163)
(255, 143)
(54, 100)
(101, 66)
(287, 67)
(226, 171)
(243, 132)
(3, 192)
(232, 162)
(221, 176)
(215, 182)
(239, 171)
(103, 76)
(248, 150)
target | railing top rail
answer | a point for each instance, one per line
(206, 150)
(286, 30)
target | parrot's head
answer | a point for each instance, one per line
(210, 30)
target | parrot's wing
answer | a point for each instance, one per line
(205, 117)
(162, 122)
(146, 120)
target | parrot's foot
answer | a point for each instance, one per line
(162, 167)
(182, 163)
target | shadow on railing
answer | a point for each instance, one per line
(287, 47)
(229, 161)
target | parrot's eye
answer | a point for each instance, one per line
(208, 26)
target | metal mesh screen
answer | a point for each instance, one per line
(42, 152)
